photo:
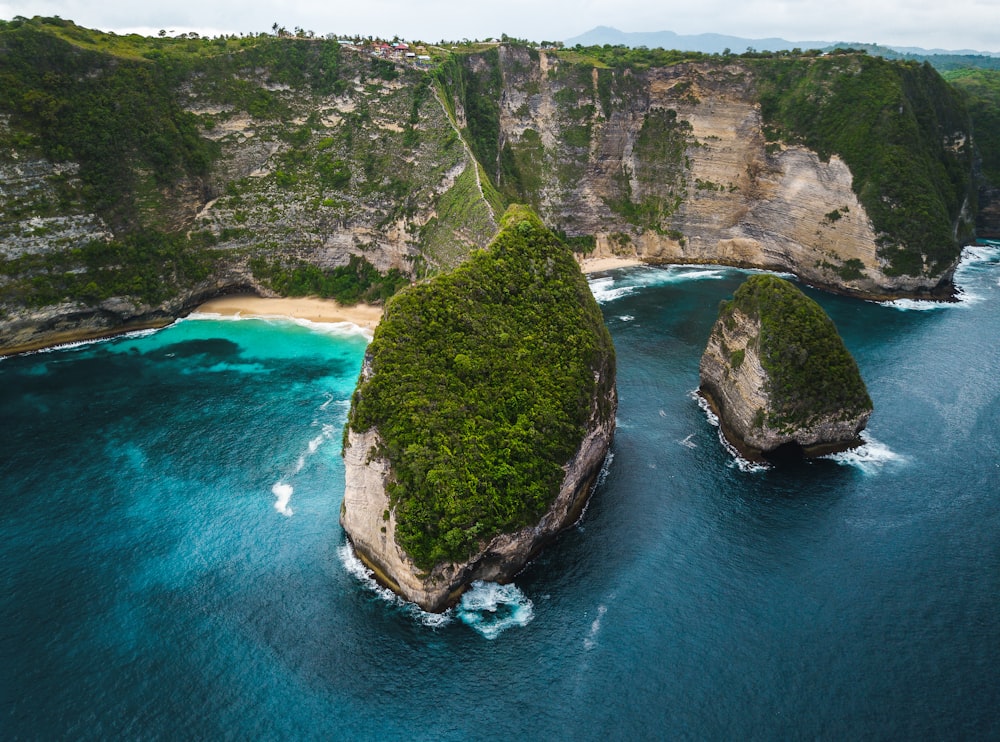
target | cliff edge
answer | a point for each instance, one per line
(778, 375)
(483, 414)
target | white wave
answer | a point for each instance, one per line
(870, 457)
(916, 305)
(357, 569)
(595, 627)
(626, 317)
(283, 493)
(688, 443)
(980, 253)
(282, 490)
(601, 475)
(491, 608)
(737, 460)
(627, 281)
(604, 290)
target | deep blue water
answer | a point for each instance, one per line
(171, 565)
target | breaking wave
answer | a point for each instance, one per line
(357, 569)
(595, 628)
(491, 609)
(341, 329)
(736, 459)
(871, 457)
(487, 607)
(608, 288)
(281, 489)
(95, 341)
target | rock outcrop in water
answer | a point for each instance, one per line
(482, 417)
(778, 375)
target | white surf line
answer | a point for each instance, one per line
(282, 490)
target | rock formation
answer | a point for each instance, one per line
(482, 417)
(778, 375)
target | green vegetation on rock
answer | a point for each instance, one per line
(357, 281)
(482, 385)
(982, 91)
(810, 372)
(887, 120)
(117, 116)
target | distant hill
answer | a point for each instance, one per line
(708, 43)
(711, 43)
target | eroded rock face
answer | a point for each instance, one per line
(776, 381)
(723, 195)
(370, 522)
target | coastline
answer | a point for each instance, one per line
(307, 308)
(71, 337)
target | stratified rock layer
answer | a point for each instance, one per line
(778, 375)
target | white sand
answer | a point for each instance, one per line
(596, 265)
(307, 308)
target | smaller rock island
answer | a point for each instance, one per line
(777, 374)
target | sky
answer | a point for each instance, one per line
(958, 24)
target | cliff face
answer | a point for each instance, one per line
(677, 164)
(777, 374)
(273, 162)
(264, 157)
(484, 411)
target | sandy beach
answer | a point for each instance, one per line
(596, 265)
(307, 308)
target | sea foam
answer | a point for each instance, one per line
(595, 627)
(357, 569)
(283, 493)
(329, 328)
(608, 288)
(736, 459)
(871, 457)
(491, 608)
(134, 334)
(487, 607)
(281, 489)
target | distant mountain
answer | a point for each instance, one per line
(712, 43)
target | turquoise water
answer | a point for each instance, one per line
(171, 563)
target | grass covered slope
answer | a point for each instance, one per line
(811, 374)
(483, 382)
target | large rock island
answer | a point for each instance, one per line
(777, 373)
(483, 414)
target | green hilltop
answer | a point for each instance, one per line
(483, 380)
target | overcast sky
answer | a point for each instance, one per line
(958, 24)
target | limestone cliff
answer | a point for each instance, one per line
(679, 163)
(777, 374)
(274, 163)
(483, 414)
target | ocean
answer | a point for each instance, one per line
(172, 565)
